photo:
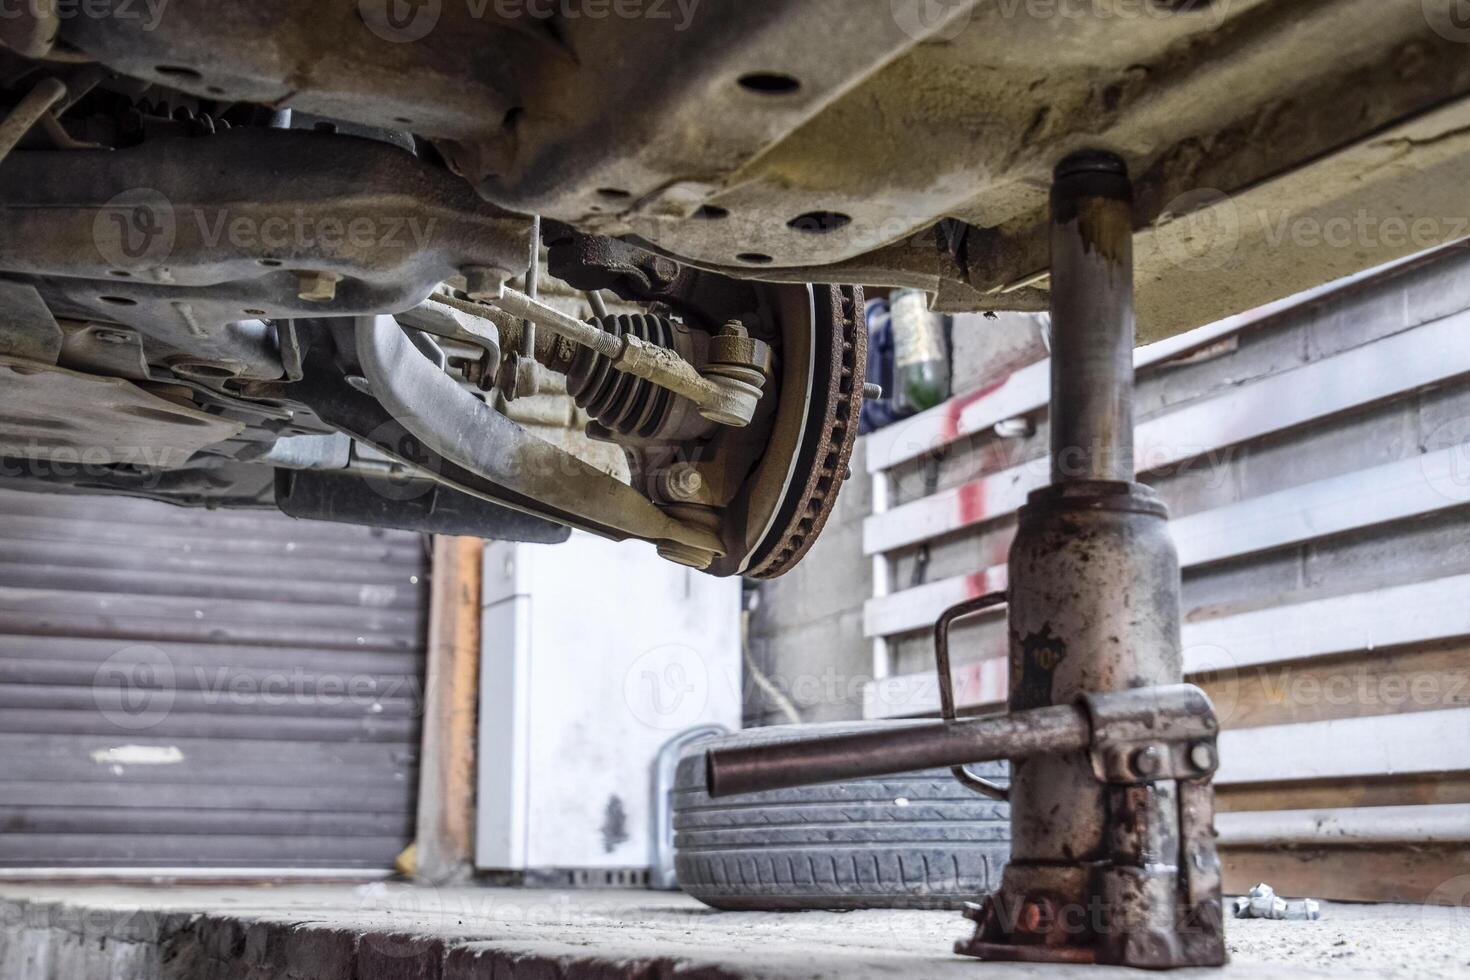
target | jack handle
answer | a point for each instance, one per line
(966, 609)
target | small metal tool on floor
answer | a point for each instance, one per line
(1262, 902)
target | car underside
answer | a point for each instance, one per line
(287, 254)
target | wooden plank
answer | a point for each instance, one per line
(1424, 742)
(921, 607)
(1408, 488)
(1380, 790)
(1429, 744)
(1446, 823)
(1432, 875)
(954, 509)
(1018, 393)
(1395, 616)
(445, 836)
(975, 685)
(1359, 686)
(1419, 612)
(1383, 369)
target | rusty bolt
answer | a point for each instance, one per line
(1147, 761)
(683, 482)
(484, 282)
(1202, 756)
(317, 287)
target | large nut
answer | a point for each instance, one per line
(683, 483)
(733, 347)
(317, 287)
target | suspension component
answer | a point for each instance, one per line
(36, 103)
(720, 397)
(623, 404)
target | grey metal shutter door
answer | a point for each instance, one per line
(194, 690)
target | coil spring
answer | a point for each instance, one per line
(620, 402)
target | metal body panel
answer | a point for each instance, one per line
(894, 143)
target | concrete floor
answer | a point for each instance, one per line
(378, 932)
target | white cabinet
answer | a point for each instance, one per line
(594, 654)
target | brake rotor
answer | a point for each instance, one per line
(826, 427)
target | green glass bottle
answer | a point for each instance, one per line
(920, 355)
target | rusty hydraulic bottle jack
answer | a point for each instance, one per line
(1112, 809)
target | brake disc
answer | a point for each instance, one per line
(794, 489)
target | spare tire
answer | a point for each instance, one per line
(919, 840)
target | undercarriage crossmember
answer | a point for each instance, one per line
(1112, 805)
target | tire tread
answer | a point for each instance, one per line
(916, 841)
